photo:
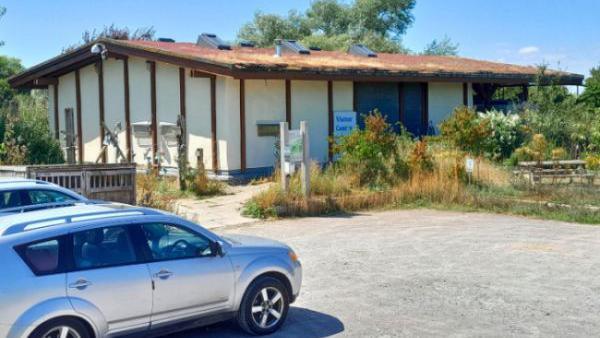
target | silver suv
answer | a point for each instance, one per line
(104, 270)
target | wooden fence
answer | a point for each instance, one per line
(109, 182)
(558, 172)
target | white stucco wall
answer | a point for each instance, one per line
(197, 103)
(66, 99)
(139, 102)
(343, 96)
(443, 98)
(90, 113)
(265, 100)
(114, 103)
(228, 123)
(309, 103)
(167, 105)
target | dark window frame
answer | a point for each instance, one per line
(62, 264)
(70, 257)
(148, 252)
(25, 196)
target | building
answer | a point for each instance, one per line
(232, 97)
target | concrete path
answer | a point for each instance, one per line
(423, 273)
(220, 211)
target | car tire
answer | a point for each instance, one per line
(52, 328)
(254, 306)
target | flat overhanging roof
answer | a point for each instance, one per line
(260, 63)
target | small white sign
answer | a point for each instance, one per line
(294, 149)
(343, 123)
(469, 165)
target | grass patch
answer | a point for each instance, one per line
(378, 170)
(160, 192)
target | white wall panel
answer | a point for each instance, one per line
(265, 100)
(443, 98)
(139, 98)
(90, 113)
(309, 103)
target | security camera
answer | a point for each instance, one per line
(99, 48)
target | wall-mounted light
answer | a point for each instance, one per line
(100, 49)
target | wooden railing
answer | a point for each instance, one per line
(110, 182)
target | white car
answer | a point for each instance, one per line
(21, 195)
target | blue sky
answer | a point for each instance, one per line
(562, 33)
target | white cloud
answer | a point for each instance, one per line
(529, 50)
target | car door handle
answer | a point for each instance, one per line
(80, 284)
(163, 274)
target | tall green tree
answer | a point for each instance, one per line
(265, 28)
(335, 25)
(9, 66)
(2, 12)
(591, 95)
(444, 46)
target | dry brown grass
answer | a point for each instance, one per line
(335, 191)
(154, 191)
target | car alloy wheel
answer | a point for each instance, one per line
(267, 307)
(62, 332)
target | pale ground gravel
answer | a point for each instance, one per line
(423, 273)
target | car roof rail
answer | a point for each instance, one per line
(90, 216)
(42, 206)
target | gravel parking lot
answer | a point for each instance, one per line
(431, 273)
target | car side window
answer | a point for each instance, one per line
(103, 247)
(47, 196)
(10, 199)
(168, 242)
(42, 257)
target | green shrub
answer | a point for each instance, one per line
(466, 131)
(25, 133)
(506, 133)
(372, 152)
(593, 162)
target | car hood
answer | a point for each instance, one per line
(244, 241)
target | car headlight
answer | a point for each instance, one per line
(293, 256)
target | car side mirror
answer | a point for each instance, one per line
(216, 249)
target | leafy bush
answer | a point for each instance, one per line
(537, 149)
(419, 160)
(465, 130)
(506, 133)
(592, 162)
(25, 133)
(371, 152)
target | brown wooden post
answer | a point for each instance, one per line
(465, 94)
(354, 97)
(242, 125)
(213, 123)
(78, 107)
(154, 122)
(330, 118)
(127, 109)
(99, 69)
(288, 103)
(182, 106)
(425, 107)
(56, 117)
(401, 102)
